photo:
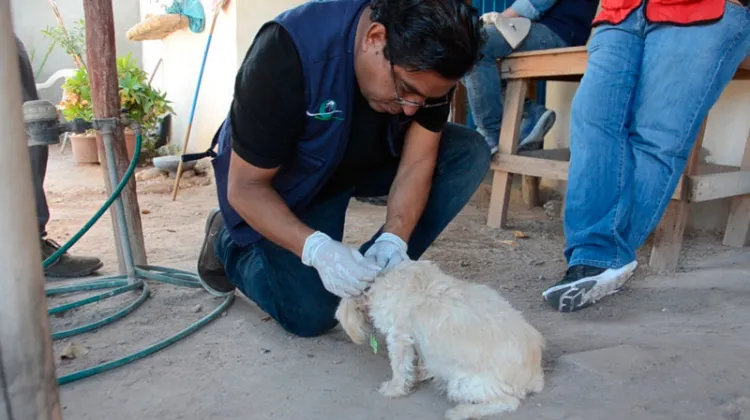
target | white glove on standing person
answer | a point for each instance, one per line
(343, 270)
(387, 251)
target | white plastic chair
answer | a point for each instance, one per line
(60, 74)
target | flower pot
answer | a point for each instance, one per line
(129, 146)
(130, 143)
(84, 148)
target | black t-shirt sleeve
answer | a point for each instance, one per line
(268, 107)
(433, 119)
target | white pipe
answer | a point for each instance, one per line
(28, 385)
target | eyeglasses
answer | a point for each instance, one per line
(427, 103)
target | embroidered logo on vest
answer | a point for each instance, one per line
(327, 111)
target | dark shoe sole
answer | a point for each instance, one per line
(82, 273)
(216, 284)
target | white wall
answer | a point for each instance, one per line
(183, 52)
(729, 125)
(30, 17)
(253, 14)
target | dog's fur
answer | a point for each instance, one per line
(480, 350)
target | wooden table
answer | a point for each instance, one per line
(700, 182)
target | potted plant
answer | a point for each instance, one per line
(76, 103)
(140, 102)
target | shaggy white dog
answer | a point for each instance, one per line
(480, 351)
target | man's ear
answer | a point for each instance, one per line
(375, 38)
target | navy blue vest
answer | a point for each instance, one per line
(571, 20)
(324, 33)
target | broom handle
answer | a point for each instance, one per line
(195, 102)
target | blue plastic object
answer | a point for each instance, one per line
(193, 9)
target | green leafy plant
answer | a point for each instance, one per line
(73, 41)
(141, 102)
(76, 103)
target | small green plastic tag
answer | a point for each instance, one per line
(374, 343)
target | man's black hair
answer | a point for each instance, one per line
(445, 36)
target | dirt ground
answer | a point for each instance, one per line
(669, 347)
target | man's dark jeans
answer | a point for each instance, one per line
(293, 294)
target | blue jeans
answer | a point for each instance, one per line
(292, 293)
(485, 89)
(634, 119)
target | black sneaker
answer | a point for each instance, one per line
(583, 285)
(68, 266)
(210, 270)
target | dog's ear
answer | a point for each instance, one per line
(353, 319)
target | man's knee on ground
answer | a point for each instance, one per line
(308, 320)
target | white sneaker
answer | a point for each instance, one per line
(583, 285)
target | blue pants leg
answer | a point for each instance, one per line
(484, 88)
(634, 120)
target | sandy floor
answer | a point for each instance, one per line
(669, 347)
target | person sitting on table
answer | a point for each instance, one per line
(654, 71)
(554, 24)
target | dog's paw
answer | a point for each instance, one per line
(392, 389)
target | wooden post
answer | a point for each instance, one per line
(102, 66)
(28, 385)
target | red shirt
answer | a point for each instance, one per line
(678, 12)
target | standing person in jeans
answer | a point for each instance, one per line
(555, 24)
(653, 74)
(336, 99)
(67, 265)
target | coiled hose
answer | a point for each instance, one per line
(122, 284)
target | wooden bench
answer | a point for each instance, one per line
(700, 182)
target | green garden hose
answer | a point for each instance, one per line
(122, 285)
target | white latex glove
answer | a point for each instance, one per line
(387, 251)
(343, 270)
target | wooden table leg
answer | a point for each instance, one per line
(510, 130)
(530, 191)
(530, 184)
(738, 225)
(668, 236)
(459, 105)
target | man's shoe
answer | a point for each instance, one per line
(583, 285)
(210, 270)
(68, 266)
(536, 123)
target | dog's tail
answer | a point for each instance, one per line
(351, 315)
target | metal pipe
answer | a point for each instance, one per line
(106, 128)
(28, 385)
